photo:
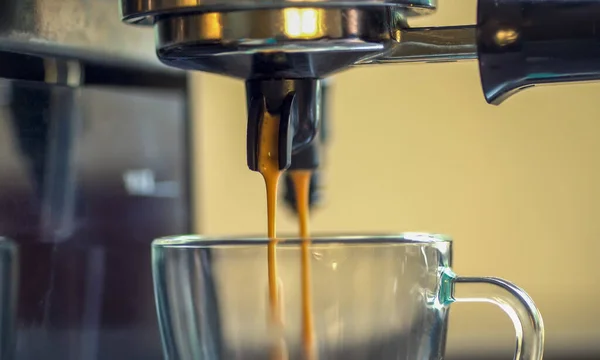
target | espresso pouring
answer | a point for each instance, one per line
(301, 180)
(268, 155)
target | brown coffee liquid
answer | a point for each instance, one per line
(268, 158)
(301, 181)
(268, 162)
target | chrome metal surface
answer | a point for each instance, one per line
(293, 30)
(442, 44)
(145, 11)
(83, 29)
(277, 43)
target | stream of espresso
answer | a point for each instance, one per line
(268, 157)
(301, 181)
(268, 162)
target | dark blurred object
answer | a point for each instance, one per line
(546, 357)
(522, 43)
(311, 156)
(94, 165)
(9, 282)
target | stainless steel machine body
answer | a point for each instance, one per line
(281, 46)
(94, 158)
(84, 30)
(519, 43)
(550, 41)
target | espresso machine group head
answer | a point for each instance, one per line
(282, 48)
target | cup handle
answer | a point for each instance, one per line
(515, 302)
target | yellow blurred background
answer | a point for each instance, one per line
(416, 148)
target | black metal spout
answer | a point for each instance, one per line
(297, 104)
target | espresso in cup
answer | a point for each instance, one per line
(374, 297)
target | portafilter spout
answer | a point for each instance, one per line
(296, 102)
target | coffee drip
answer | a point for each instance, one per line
(270, 164)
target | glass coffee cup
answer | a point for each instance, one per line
(373, 297)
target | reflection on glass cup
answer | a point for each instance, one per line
(380, 297)
(8, 297)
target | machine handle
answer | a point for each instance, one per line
(431, 45)
(522, 43)
(519, 44)
(514, 301)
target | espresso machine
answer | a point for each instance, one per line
(95, 153)
(283, 49)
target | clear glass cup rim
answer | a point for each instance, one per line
(400, 239)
